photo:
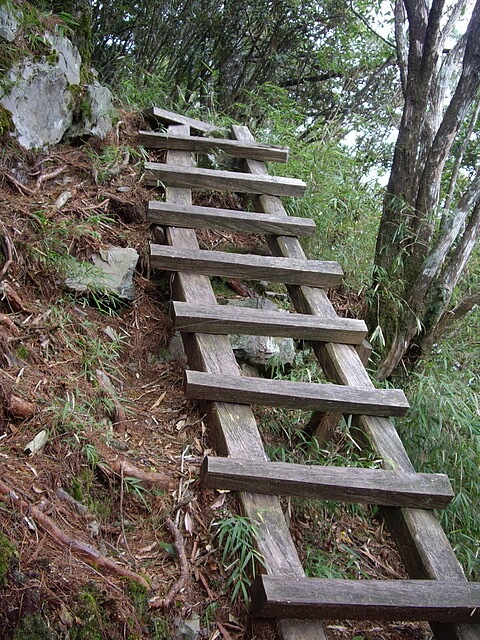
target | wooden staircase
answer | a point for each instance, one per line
(438, 591)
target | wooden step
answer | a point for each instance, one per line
(157, 174)
(366, 486)
(315, 273)
(157, 115)
(194, 217)
(311, 598)
(229, 319)
(295, 395)
(234, 148)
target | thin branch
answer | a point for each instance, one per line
(462, 309)
(164, 603)
(401, 40)
(453, 18)
(9, 251)
(457, 165)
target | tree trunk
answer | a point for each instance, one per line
(418, 259)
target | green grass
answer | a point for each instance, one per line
(442, 433)
(234, 535)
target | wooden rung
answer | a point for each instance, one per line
(197, 178)
(229, 319)
(295, 395)
(367, 486)
(251, 150)
(312, 598)
(155, 115)
(315, 273)
(190, 216)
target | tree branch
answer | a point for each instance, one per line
(401, 40)
(457, 165)
(164, 603)
(463, 308)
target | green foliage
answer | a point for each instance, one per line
(442, 433)
(134, 486)
(235, 536)
(8, 553)
(6, 122)
(53, 237)
(91, 613)
(34, 627)
(345, 207)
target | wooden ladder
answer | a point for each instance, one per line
(438, 591)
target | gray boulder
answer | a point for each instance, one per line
(96, 113)
(40, 103)
(45, 98)
(261, 350)
(113, 273)
(9, 23)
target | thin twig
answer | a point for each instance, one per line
(21, 187)
(43, 177)
(9, 258)
(164, 603)
(122, 524)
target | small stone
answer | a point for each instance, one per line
(188, 629)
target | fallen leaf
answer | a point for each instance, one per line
(150, 547)
(158, 401)
(219, 502)
(188, 523)
(38, 443)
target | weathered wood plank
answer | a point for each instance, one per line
(166, 213)
(156, 115)
(295, 395)
(197, 178)
(234, 148)
(252, 267)
(365, 486)
(442, 601)
(234, 429)
(422, 543)
(226, 319)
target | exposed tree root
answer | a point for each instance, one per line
(164, 603)
(12, 296)
(81, 549)
(122, 467)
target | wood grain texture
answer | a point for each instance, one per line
(252, 267)
(156, 115)
(274, 596)
(365, 486)
(233, 426)
(234, 148)
(229, 319)
(196, 178)
(422, 543)
(295, 395)
(167, 213)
